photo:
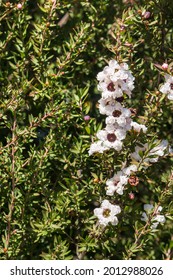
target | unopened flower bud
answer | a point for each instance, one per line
(146, 15)
(164, 66)
(19, 6)
(122, 27)
(8, 4)
(131, 195)
(96, 180)
(87, 118)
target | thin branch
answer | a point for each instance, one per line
(11, 208)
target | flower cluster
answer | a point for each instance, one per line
(119, 180)
(156, 217)
(115, 79)
(116, 82)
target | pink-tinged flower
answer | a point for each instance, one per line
(87, 118)
(146, 15)
(164, 66)
(131, 195)
(107, 213)
(19, 6)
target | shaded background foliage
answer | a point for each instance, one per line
(50, 54)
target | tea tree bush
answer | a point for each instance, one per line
(59, 194)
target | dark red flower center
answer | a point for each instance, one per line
(119, 99)
(111, 87)
(171, 86)
(111, 137)
(116, 183)
(116, 113)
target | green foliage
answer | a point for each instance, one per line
(50, 54)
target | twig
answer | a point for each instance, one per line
(11, 208)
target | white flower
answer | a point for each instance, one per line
(116, 183)
(138, 127)
(119, 180)
(155, 225)
(167, 87)
(150, 155)
(157, 217)
(159, 149)
(107, 213)
(97, 147)
(115, 79)
(144, 217)
(107, 106)
(160, 218)
(111, 137)
(148, 207)
(118, 115)
(128, 170)
(135, 155)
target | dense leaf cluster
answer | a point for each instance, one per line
(50, 54)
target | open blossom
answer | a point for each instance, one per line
(167, 87)
(128, 170)
(156, 219)
(115, 80)
(107, 105)
(119, 180)
(111, 107)
(116, 183)
(97, 147)
(107, 213)
(138, 127)
(119, 115)
(121, 121)
(111, 136)
(150, 155)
